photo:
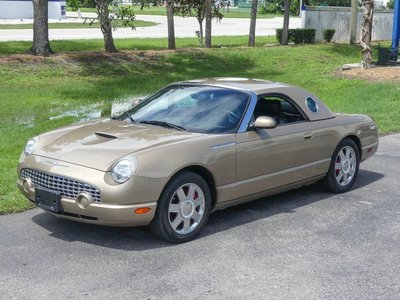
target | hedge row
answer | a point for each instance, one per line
(298, 36)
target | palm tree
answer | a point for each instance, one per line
(366, 33)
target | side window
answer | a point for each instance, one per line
(279, 108)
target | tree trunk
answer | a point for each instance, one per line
(286, 15)
(171, 27)
(142, 5)
(40, 44)
(105, 25)
(366, 33)
(201, 34)
(253, 17)
(208, 23)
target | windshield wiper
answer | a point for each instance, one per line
(164, 124)
(129, 116)
(126, 115)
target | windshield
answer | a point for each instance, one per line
(200, 109)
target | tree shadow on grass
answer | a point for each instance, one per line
(344, 50)
(140, 239)
(132, 73)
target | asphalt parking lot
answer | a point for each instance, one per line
(304, 244)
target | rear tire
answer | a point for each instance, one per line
(183, 208)
(344, 167)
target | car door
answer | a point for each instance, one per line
(272, 158)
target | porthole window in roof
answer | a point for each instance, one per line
(311, 104)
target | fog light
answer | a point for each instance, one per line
(83, 200)
(27, 184)
(142, 210)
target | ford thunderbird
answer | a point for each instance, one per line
(192, 148)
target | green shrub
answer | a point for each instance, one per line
(309, 35)
(278, 35)
(263, 10)
(274, 7)
(298, 36)
(328, 34)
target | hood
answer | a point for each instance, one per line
(99, 144)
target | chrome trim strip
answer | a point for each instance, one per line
(219, 146)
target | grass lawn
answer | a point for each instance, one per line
(161, 11)
(131, 44)
(137, 23)
(35, 92)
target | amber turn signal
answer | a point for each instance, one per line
(142, 210)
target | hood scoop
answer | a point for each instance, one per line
(98, 138)
(105, 135)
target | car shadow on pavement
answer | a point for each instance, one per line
(287, 202)
(139, 239)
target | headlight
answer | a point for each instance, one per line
(123, 170)
(30, 145)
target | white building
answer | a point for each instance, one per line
(23, 9)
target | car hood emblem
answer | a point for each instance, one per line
(55, 163)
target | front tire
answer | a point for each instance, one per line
(183, 208)
(344, 167)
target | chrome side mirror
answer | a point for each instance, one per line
(264, 122)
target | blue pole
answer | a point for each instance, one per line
(396, 27)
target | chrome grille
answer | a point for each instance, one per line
(67, 187)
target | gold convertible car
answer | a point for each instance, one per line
(192, 148)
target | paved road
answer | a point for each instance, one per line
(184, 27)
(304, 244)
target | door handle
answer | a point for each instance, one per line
(309, 136)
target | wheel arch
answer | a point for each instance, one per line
(206, 175)
(356, 140)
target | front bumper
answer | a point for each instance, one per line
(98, 213)
(118, 201)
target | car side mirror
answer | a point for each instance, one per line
(264, 122)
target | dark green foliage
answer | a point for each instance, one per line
(345, 3)
(328, 34)
(298, 36)
(147, 3)
(309, 35)
(263, 10)
(276, 7)
(390, 4)
(76, 4)
(278, 34)
(127, 16)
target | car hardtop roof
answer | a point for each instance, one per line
(246, 84)
(298, 95)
